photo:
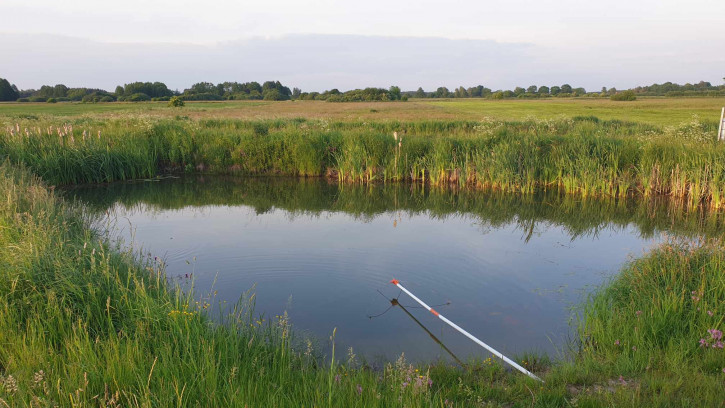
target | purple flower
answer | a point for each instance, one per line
(405, 384)
(718, 344)
(430, 382)
(622, 381)
(638, 312)
(616, 342)
(710, 313)
(359, 389)
(337, 378)
(703, 343)
(723, 370)
(715, 334)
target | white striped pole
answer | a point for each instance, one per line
(465, 333)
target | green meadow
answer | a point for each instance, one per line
(89, 324)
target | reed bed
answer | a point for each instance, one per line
(581, 155)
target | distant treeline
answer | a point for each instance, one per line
(275, 91)
(148, 91)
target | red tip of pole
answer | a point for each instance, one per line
(394, 282)
(434, 312)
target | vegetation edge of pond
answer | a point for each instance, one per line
(582, 155)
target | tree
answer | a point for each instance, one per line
(624, 96)
(442, 92)
(394, 93)
(60, 91)
(296, 92)
(420, 93)
(273, 95)
(566, 88)
(555, 90)
(202, 88)
(543, 90)
(283, 91)
(176, 102)
(519, 91)
(7, 92)
(532, 89)
(461, 92)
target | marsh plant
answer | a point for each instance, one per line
(580, 155)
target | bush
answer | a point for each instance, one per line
(23, 100)
(206, 96)
(176, 102)
(36, 99)
(138, 97)
(624, 96)
(51, 100)
(106, 99)
(497, 95)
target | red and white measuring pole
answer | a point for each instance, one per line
(465, 333)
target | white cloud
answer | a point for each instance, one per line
(320, 62)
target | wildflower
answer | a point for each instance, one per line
(359, 389)
(718, 344)
(715, 334)
(11, 384)
(622, 381)
(723, 370)
(638, 312)
(337, 378)
(703, 343)
(39, 377)
(634, 348)
(430, 382)
(616, 342)
(709, 313)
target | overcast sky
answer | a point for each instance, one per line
(323, 44)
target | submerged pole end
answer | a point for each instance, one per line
(395, 281)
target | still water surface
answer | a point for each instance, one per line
(512, 267)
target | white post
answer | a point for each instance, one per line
(465, 333)
(720, 134)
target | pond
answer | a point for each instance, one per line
(508, 268)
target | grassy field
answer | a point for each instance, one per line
(576, 154)
(653, 111)
(86, 325)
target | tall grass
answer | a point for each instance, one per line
(582, 155)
